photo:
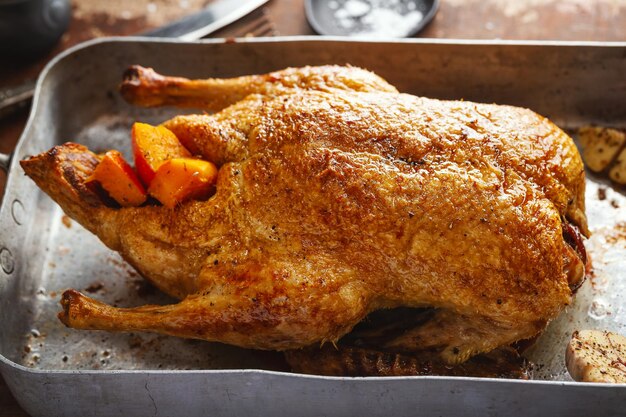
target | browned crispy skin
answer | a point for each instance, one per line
(352, 361)
(333, 204)
(145, 87)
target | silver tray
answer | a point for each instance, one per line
(55, 371)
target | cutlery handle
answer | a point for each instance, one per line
(5, 161)
(16, 97)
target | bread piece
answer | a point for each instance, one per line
(600, 146)
(597, 356)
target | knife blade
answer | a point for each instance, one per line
(213, 17)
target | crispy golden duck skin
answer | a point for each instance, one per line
(332, 204)
(144, 87)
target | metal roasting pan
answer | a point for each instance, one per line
(55, 371)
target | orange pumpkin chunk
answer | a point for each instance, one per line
(153, 145)
(118, 179)
(182, 179)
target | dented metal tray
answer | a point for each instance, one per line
(55, 371)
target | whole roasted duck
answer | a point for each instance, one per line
(338, 196)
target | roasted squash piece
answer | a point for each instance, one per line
(182, 179)
(153, 145)
(119, 180)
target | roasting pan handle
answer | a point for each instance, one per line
(13, 99)
(5, 161)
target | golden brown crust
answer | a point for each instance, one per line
(62, 171)
(331, 205)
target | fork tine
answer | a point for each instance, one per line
(263, 30)
(259, 26)
(251, 26)
(257, 23)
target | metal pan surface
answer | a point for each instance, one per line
(55, 371)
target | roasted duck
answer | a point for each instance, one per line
(338, 196)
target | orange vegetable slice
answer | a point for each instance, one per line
(182, 179)
(153, 145)
(118, 179)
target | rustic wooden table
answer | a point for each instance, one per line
(599, 20)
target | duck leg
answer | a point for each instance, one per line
(145, 87)
(260, 317)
